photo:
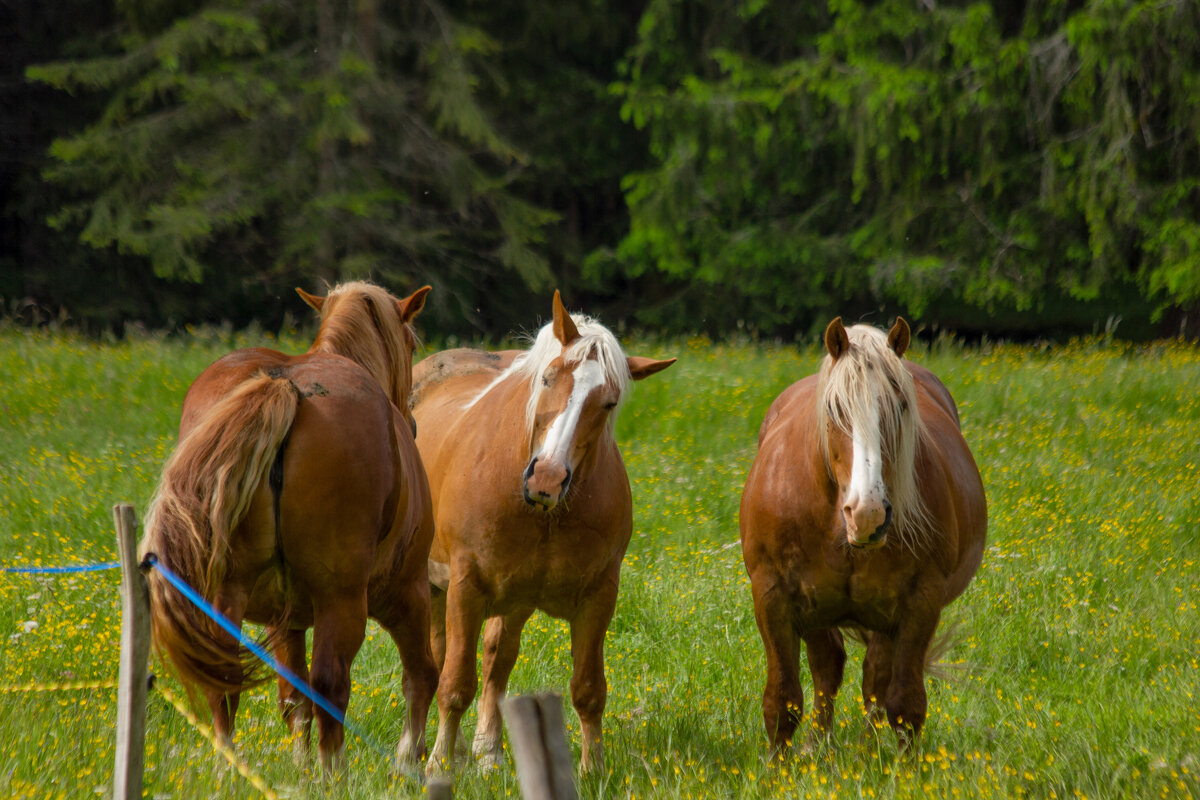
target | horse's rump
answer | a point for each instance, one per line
(206, 488)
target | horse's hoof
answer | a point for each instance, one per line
(591, 766)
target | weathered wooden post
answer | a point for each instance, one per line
(439, 789)
(538, 736)
(133, 679)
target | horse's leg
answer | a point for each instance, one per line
(783, 699)
(458, 683)
(827, 662)
(224, 709)
(501, 641)
(877, 676)
(339, 627)
(420, 678)
(589, 690)
(437, 625)
(230, 601)
(906, 701)
(296, 708)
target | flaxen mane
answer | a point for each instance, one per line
(868, 386)
(359, 320)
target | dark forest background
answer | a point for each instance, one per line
(1001, 168)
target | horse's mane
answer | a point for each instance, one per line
(360, 321)
(869, 379)
(593, 338)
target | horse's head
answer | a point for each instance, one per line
(366, 324)
(868, 426)
(578, 377)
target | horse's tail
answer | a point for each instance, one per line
(205, 491)
(948, 636)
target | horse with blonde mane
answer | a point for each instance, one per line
(533, 511)
(863, 509)
(295, 498)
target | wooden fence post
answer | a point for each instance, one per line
(133, 680)
(439, 789)
(538, 736)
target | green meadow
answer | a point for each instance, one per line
(1072, 671)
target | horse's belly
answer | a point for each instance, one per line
(542, 584)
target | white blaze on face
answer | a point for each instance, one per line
(866, 471)
(556, 447)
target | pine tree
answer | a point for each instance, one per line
(287, 143)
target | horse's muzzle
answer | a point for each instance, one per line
(879, 535)
(539, 485)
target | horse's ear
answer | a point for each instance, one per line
(311, 299)
(899, 336)
(645, 367)
(564, 327)
(836, 340)
(412, 305)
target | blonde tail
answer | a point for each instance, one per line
(205, 491)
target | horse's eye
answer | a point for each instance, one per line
(610, 406)
(545, 381)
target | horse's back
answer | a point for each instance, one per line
(444, 385)
(461, 362)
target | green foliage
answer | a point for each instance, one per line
(987, 165)
(909, 154)
(325, 141)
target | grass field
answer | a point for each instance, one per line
(1074, 672)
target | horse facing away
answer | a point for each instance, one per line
(863, 509)
(296, 498)
(533, 511)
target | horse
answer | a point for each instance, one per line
(533, 511)
(295, 498)
(864, 510)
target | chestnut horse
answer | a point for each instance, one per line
(295, 498)
(533, 511)
(863, 509)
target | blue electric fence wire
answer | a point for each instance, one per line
(291, 677)
(80, 568)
